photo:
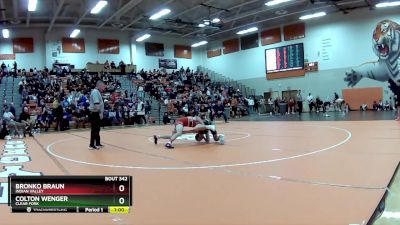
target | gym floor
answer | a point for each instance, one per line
(268, 172)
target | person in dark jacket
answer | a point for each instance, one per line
(218, 110)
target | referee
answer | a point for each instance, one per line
(96, 108)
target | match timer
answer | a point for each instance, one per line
(74, 194)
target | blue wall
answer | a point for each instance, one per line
(350, 40)
(26, 60)
(91, 51)
(44, 43)
(151, 62)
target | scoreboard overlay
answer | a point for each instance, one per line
(72, 194)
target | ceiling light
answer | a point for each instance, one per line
(202, 25)
(6, 33)
(207, 23)
(98, 7)
(199, 44)
(216, 20)
(32, 5)
(74, 33)
(249, 30)
(276, 2)
(388, 4)
(311, 16)
(143, 37)
(160, 14)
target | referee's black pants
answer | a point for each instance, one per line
(95, 129)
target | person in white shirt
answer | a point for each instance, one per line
(9, 118)
(327, 104)
(140, 111)
(251, 103)
(262, 105)
(310, 100)
(140, 91)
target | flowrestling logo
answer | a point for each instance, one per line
(14, 155)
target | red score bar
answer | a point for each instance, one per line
(278, 60)
(84, 189)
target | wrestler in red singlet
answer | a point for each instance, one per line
(187, 122)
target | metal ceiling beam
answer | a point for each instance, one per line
(119, 6)
(43, 25)
(137, 19)
(240, 6)
(84, 14)
(3, 11)
(271, 18)
(193, 8)
(186, 11)
(121, 11)
(251, 13)
(15, 9)
(237, 14)
(28, 18)
(221, 11)
(58, 9)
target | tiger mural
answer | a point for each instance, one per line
(386, 45)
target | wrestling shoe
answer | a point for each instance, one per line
(93, 147)
(169, 146)
(221, 139)
(155, 139)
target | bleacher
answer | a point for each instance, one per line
(97, 68)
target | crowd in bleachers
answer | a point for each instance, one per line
(59, 102)
(62, 101)
(188, 92)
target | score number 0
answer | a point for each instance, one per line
(121, 188)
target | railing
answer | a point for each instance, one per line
(216, 77)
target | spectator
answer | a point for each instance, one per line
(310, 100)
(140, 91)
(122, 67)
(166, 119)
(12, 108)
(140, 111)
(335, 96)
(318, 104)
(44, 120)
(9, 118)
(299, 100)
(58, 113)
(234, 107)
(106, 65)
(364, 107)
(327, 104)
(112, 64)
(25, 119)
(387, 106)
(251, 104)
(291, 106)
(256, 105)
(217, 111)
(80, 116)
(375, 106)
(380, 105)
